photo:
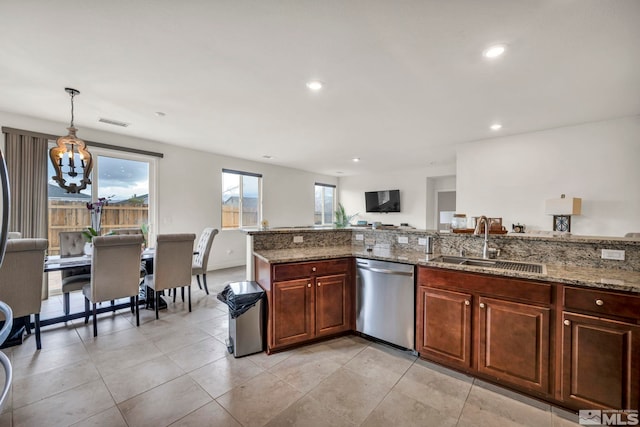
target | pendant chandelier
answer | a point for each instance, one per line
(66, 165)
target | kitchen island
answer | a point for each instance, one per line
(570, 336)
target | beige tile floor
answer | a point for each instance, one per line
(176, 371)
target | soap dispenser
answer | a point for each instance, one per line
(429, 247)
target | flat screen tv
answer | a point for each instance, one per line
(382, 201)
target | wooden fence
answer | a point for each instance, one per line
(231, 217)
(74, 215)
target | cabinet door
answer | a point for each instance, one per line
(601, 363)
(332, 302)
(292, 311)
(443, 326)
(514, 343)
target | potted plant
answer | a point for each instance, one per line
(342, 219)
(145, 234)
(89, 234)
(95, 209)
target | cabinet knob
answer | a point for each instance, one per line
(467, 302)
(567, 322)
(308, 285)
(313, 269)
(481, 305)
(599, 302)
(319, 284)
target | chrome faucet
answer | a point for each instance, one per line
(485, 248)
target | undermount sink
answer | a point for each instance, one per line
(528, 267)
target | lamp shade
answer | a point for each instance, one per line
(563, 206)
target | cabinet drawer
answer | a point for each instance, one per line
(306, 269)
(602, 302)
(518, 289)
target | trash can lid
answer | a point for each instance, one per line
(245, 288)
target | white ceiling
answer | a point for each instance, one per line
(405, 81)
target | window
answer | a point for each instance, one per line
(325, 196)
(241, 199)
(123, 178)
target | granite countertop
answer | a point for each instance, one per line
(277, 256)
(620, 280)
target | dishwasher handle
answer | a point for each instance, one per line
(385, 270)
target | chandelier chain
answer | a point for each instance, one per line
(72, 95)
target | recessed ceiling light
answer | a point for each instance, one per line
(266, 156)
(356, 159)
(315, 85)
(160, 113)
(496, 126)
(339, 172)
(494, 51)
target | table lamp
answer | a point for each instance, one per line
(562, 209)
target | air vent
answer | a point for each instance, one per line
(113, 122)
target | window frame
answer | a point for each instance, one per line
(323, 212)
(241, 175)
(126, 155)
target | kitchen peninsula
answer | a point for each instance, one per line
(570, 335)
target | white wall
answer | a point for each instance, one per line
(413, 194)
(190, 188)
(511, 177)
(434, 185)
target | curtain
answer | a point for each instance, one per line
(26, 157)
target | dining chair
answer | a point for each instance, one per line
(201, 259)
(74, 279)
(115, 273)
(172, 263)
(129, 231)
(124, 231)
(21, 278)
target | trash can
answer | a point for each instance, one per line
(246, 317)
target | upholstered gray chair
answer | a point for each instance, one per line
(130, 231)
(171, 264)
(121, 231)
(201, 259)
(21, 277)
(74, 279)
(115, 273)
(14, 235)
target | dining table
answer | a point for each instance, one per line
(57, 263)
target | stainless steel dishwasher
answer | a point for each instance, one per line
(385, 301)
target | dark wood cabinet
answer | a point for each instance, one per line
(307, 300)
(513, 343)
(489, 326)
(292, 308)
(332, 305)
(443, 330)
(600, 351)
(578, 347)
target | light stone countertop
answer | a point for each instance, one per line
(613, 279)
